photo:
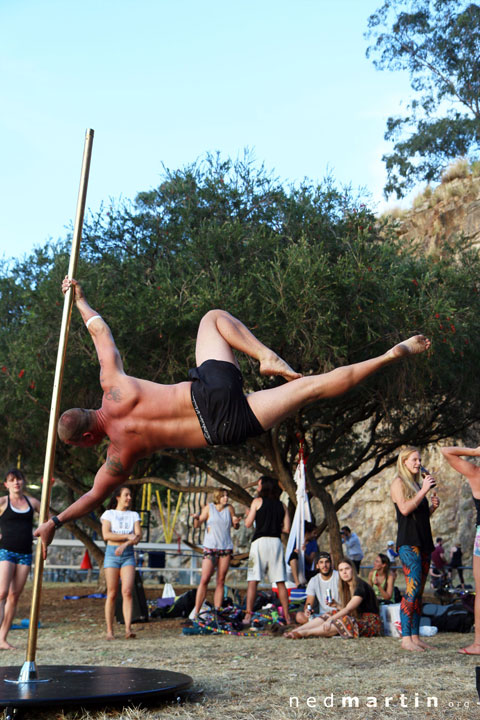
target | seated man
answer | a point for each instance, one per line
(323, 588)
(140, 417)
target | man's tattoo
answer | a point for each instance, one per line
(114, 466)
(114, 394)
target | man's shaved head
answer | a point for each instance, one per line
(74, 423)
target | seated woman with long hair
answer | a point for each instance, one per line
(382, 579)
(358, 616)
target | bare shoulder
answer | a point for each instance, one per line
(34, 502)
(3, 503)
(120, 392)
(396, 488)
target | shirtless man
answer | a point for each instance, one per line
(141, 417)
(454, 456)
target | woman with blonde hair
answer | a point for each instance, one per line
(357, 616)
(217, 546)
(408, 491)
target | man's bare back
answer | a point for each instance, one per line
(141, 417)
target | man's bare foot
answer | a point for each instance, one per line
(408, 644)
(473, 649)
(129, 635)
(272, 364)
(4, 645)
(414, 345)
(110, 636)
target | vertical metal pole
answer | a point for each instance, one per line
(28, 671)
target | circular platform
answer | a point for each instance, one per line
(86, 684)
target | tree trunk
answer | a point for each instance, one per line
(330, 518)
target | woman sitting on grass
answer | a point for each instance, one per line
(358, 616)
(382, 579)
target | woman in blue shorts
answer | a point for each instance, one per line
(16, 528)
(121, 531)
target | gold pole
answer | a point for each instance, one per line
(28, 671)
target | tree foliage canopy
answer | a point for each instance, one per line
(306, 268)
(438, 43)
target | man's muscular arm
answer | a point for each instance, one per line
(108, 355)
(111, 475)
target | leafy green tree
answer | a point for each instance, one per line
(438, 43)
(307, 269)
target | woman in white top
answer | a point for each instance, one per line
(16, 520)
(217, 545)
(121, 531)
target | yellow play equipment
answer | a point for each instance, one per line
(168, 516)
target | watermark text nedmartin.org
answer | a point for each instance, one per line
(373, 701)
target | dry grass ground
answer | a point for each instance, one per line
(255, 678)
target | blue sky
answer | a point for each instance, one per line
(163, 82)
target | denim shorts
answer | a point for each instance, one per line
(118, 561)
(16, 558)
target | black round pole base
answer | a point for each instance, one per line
(88, 685)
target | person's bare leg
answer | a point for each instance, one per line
(208, 567)
(315, 628)
(294, 568)
(274, 405)
(283, 597)
(111, 577)
(301, 618)
(222, 569)
(251, 595)
(219, 333)
(474, 648)
(7, 570)
(16, 586)
(127, 574)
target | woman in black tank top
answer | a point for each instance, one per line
(16, 521)
(454, 457)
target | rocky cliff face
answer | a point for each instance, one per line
(452, 209)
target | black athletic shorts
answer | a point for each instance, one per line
(222, 409)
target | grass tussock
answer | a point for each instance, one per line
(457, 170)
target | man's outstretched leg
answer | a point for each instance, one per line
(272, 406)
(219, 333)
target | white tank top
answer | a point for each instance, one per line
(217, 535)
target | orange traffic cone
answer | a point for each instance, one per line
(86, 562)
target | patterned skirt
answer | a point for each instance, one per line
(366, 625)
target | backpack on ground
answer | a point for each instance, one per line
(449, 618)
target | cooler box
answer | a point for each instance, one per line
(294, 593)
